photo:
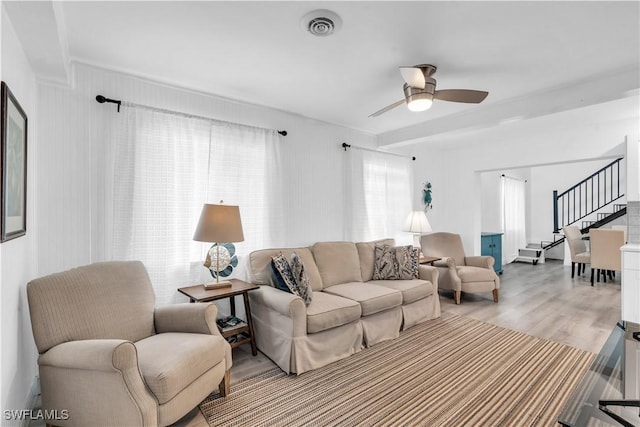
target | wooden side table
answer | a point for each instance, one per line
(198, 293)
(429, 260)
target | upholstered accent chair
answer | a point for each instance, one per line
(606, 257)
(578, 249)
(110, 358)
(458, 272)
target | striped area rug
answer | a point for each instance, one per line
(453, 371)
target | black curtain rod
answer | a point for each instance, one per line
(101, 99)
(345, 146)
(513, 177)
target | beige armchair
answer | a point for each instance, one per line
(577, 248)
(605, 251)
(109, 358)
(458, 272)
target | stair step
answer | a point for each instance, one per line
(534, 246)
(530, 254)
(531, 259)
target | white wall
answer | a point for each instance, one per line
(429, 167)
(17, 262)
(529, 143)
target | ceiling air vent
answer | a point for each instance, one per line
(321, 22)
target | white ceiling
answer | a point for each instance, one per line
(562, 54)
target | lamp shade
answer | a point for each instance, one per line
(417, 222)
(219, 224)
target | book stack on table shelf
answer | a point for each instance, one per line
(229, 323)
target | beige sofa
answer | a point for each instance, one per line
(349, 310)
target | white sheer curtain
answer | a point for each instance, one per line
(513, 218)
(245, 171)
(166, 167)
(378, 195)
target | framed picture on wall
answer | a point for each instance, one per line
(13, 168)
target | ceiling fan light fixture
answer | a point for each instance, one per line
(419, 99)
(420, 104)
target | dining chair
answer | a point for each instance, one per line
(621, 227)
(605, 252)
(578, 248)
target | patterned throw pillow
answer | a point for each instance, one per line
(407, 259)
(282, 272)
(303, 286)
(384, 267)
(395, 262)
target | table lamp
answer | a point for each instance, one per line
(417, 223)
(219, 224)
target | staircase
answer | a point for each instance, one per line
(597, 191)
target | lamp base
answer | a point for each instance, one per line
(217, 285)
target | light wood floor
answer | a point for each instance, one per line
(544, 301)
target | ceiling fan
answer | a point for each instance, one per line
(420, 90)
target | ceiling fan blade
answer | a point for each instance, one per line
(461, 95)
(413, 77)
(387, 108)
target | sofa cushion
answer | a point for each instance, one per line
(328, 311)
(260, 266)
(337, 262)
(475, 274)
(412, 290)
(169, 362)
(372, 298)
(367, 256)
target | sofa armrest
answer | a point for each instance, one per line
(480, 261)
(284, 304)
(92, 355)
(187, 317)
(287, 304)
(427, 272)
(77, 375)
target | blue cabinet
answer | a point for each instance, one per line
(491, 245)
